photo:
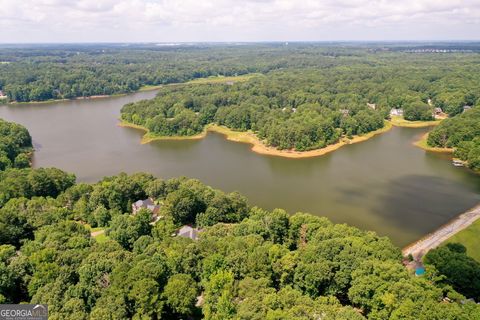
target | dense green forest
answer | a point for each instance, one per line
(310, 108)
(15, 146)
(67, 71)
(38, 73)
(248, 263)
(460, 270)
(461, 133)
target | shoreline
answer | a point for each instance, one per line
(212, 79)
(437, 237)
(95, 97)
(149, 137)
(422, 144)
(259, 146)
(398, 121)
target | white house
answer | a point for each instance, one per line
(396, 112)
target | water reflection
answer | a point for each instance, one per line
(384, 184)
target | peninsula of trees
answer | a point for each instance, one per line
(309, 108)
(247, 263)
(462, 133)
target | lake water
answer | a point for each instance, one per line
(384, 184)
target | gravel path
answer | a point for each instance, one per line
(97, 233)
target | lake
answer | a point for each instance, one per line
(384, 184)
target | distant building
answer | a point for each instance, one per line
(229, 83)
(189, 232)
(438, 111)
(345, 112)
(146, 204)
(466, 108)
(2, 95)
(396, 112)
(372, 106)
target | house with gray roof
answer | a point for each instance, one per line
(189, 232)
(148, 204)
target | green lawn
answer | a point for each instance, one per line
(470, 238)
(212, 79)
(101, 238)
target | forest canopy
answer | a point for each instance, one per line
(247, 263)
(63, 72)
(461, 133)
(15, 146)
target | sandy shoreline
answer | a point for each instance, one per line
(259, 146)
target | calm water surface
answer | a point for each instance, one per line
(384, 184)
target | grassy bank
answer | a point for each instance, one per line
(469, 238)
(222, 79)
(422, 143)
(399, 121)
(258, 146)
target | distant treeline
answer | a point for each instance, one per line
(63, 72)
(309, 108)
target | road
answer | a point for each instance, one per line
(433, 240)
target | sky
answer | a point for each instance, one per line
(26, 21)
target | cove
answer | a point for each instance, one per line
(384, 184)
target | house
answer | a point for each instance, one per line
(437, 111)
(372, 106)
(229, 83)
(396, 112)
(2, 95)
(189, 232)
(345, 112)
(466, 108)
(146, 204)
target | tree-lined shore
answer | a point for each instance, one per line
(246, 262)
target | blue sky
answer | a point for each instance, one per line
(230, 20)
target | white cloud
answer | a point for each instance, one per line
(249, 20)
